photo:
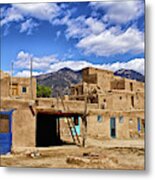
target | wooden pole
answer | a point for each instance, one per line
(84, 123)
(11, 77)
(31, 83)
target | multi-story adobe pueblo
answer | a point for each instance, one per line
(113, 108)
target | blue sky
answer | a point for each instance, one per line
(108, 35)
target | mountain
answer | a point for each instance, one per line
(60, 80)
(130, 74)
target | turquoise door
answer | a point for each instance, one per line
(77, 125)
(113, 127)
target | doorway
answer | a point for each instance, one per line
(113, 127)
(14, 90)
(47, 130)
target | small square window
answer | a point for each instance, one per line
(23, 89)
(121, 119)
(99, 118)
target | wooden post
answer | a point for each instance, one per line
(58, 129)
(11, 78)
(84, 123)
(31, 83)
(84, 129)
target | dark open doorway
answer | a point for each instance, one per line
(47, 130)
(113, 127)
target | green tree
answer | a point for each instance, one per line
(43, 91)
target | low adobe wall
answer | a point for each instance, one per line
(23, 124)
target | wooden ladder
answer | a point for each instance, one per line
(71, 126)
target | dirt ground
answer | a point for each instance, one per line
(109, 154)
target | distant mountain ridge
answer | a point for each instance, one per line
(130, 74)
(63, 78)
(60, 80)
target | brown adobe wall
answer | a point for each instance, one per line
(139, 100)
(23, 124)
(4, 87)
(124, 130)
(105, 101)
(136, 86)
(25, 82)
(121, 101)
(117, 84)
(24, 128)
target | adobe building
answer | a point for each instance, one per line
(119, 104)
(17, 87)
(112, 106)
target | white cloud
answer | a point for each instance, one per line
(10, 15)
(42, 11)
(50, 63)
(81, 26)
(137, 64)
(24, 13)
(28, 26)
(109, 42)
(95, 36)
(26, 73)
(120, 12)
(95, 25)
(43, 63)
(134, 64)
(74, 65)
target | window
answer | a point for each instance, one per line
(104, 104)
(130, 121)
(121, 119)
(120, 97)
(99, 118)
(132, 101)
(131, 86)
(138, 124)
(4, 123)
(23, 89)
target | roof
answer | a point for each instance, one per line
(46, 110)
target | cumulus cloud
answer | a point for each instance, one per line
(137, 64)
(110, 42)
(41, 11)
(26, 14)
(50, 63)
(81, 26)
(26, 73)
(10, 15)
(95, 36)
(39, 63)
(120, 12)
(134, 64)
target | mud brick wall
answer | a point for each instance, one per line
(4, 87)
(23, 124)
